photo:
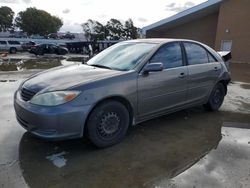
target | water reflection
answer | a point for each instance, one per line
(226, 166)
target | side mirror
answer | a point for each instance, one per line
(153, 67)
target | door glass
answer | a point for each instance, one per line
(14, 42)
(195, 54)
(170, 55)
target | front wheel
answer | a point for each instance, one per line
(39, 52)
(216, 98)
(108, 123)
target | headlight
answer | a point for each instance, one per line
(54, 98)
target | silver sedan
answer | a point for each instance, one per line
(126, 84)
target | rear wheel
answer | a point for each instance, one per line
(216, 98)
(108, 123)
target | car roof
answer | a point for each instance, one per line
(158, 40)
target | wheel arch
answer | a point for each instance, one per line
(224, 83)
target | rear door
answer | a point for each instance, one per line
(167, 89)
(203, 71)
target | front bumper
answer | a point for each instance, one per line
(51, 123)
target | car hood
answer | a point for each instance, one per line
(63, 78)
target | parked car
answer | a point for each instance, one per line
(10, 46)
(18, 35)
(48, 49)
(37, 37)
(68, 36)
(126, 84)
(53, 36)
(28, 45)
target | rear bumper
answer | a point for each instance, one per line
(51, 123)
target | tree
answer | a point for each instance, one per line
(131, 32)
(35, 21)
(115, 30)
(93, 30)
(6, 18)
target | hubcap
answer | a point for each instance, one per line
(109, 124)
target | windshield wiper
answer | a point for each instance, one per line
(100, 66)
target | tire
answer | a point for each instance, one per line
(108, 123)
(216, 98)
(39, 52)
(13, 50)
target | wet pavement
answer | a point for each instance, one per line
(191, 148)
(23, 62)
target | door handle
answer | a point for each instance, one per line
(182, 75)
(216, 69)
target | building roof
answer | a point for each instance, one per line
(199, 10)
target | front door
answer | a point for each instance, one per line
(167, 89)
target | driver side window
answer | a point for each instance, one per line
(169, 55)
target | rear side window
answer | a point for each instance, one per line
(195, 54)
(14, 42)
(3, 42)
(170, 55)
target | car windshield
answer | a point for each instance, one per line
(122, 56)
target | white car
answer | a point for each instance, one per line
(10, 46)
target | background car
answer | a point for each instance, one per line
(10, 46)
(53, 36)
(48, 49)
(28, 45)
(68, 36)
(18, 35)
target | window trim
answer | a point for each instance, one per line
(215, 60)
(165, 44)
(208, 52)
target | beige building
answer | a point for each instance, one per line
(222, 24)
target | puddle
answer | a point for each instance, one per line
(8, 80)
(245, 86)
(67, 62)
(39, 63)
(237, 99)
(228, 165)
(156, 151)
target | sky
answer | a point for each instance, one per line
(75, 12)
